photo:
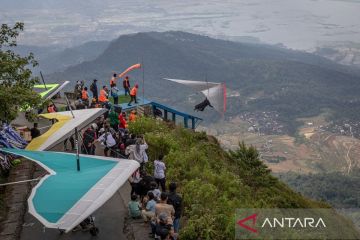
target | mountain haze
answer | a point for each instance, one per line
(268, 78)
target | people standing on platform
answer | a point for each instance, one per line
(94, 89)
(85, 97)
(113, 80)
(115, 93)
(103, 98)
(133, 94)
(126, 85)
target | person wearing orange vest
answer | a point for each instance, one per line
(103, 98)
(132, 116)
(113, 80)
(85, 97)
(133, 93)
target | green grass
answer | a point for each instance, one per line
(213, 182)
(122, 99)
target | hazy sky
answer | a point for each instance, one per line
(300, 24)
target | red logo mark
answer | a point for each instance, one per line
(242, 221)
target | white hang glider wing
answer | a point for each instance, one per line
(215, 92)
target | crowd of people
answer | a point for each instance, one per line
(98, 99)
(150, 200)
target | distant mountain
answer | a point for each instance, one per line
(295, 84)
(56, 58)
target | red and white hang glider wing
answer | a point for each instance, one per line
(215, 92)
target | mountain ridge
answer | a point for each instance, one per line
(295, 84)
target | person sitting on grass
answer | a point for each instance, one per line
(134, 207)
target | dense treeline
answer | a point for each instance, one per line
(338, 189)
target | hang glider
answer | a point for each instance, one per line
(215, 93)
(64, 127)
(50, 89)
(65, 197)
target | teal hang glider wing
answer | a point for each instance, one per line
(65, 197)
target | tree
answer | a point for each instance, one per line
(251, 169)
(16, 81)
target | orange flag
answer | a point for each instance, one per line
(135, 66)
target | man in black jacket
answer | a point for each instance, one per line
(175, 200)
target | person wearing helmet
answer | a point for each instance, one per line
(88, 138)
(133, 93)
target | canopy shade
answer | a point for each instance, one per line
(65, 197)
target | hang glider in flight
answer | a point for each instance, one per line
(215, 93)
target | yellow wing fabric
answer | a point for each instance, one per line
(61, 121)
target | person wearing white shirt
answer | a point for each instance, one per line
(107, 140)
(159, 172)
(137, 151)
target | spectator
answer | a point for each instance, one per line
(137, 151)
(115, 94)
(130, 141)
(94, 104)
(72, 143)
(88, 138)
(145, 183)
(122, 120)
(94, 90)
(132, 116)
(159, 172)
(107, 140)
(126, 85)
(77, 90)
(134, 180)
(103, 98)
(85, 97)
(35, 132)
(114, 121)
(51, 108)
(113, 80)
(149, 212)
(176, 201)
(163, 229)
(155, 190)
(133, 94)
(163, 207)
(134, 207)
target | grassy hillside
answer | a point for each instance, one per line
(213, 182)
